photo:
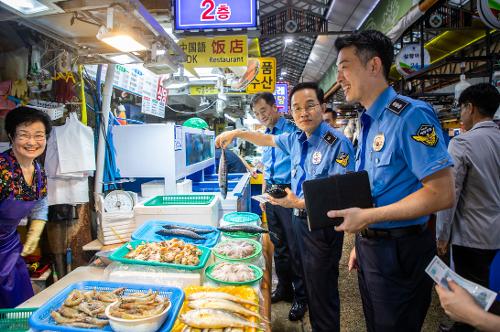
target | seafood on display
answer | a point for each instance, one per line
(85, 308)
(232, 272)
(188, 228)
(173, 251)
(180, 232)
(214, 319)
(217, 296)
(222, 177)
(242, 228)
(236, 249)
(139, 305)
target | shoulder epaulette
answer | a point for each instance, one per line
(398, 105)
(329, 138)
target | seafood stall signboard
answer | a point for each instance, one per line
(226, 51)
(200, 15)
(281, 96)
(265, 80)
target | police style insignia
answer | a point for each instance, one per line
(342, 159)
(330, 138)
(398, 105)
(378, 142)
(316, 157)
(426, 135)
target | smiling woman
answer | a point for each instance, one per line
(23, 193)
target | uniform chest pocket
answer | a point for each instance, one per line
(320, 171)
(382, 169)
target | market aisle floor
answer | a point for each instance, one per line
(351, 315)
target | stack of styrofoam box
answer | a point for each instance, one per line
(114, 227)
(157, 187)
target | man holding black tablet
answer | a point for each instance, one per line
(316, 151)
(402, 149)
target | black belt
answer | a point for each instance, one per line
(392, 233)
(269, 184)
(301, 213)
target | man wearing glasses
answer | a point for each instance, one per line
(316, 151)
(277, 172)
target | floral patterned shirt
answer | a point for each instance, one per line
(13, 180)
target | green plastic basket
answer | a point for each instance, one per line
(15, 320)
(241, 217)
(257, 271)
(257, 252)
(180, 200)
(242, 235)
(119, 256)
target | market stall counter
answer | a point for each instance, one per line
(93, 273)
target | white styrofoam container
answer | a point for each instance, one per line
(194, 214)
(157, 188)
(173, 279)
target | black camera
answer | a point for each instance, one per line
(277, 191)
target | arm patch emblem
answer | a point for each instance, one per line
(342, 159)
(426, 135)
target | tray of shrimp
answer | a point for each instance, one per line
(88, 306)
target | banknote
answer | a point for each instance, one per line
(440, 272)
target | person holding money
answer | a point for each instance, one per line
(461, 307)
(402, 149)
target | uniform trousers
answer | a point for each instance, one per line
(395, 290)
(286, 255)
(320, 252)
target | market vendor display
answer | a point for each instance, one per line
(23, 193)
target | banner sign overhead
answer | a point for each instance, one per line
(214, 14)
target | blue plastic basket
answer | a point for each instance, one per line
(147, 232)
(41, 319)
(241, 217)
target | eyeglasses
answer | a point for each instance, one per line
(309, 108)
(26, 137)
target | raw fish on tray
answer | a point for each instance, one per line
(180, 232)
(192, 229)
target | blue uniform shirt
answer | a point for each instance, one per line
(327, 152)
(277, 162)
(401, 143)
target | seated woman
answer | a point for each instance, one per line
(23, 193)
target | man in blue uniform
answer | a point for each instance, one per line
(316, 151)
(277, 171)
(402, 148)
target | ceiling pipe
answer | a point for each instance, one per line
(409, 19)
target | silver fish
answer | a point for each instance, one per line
(192, 229)
(210, 318)
(223, 174)
(180, 232)
(223, 304)
(219, 295)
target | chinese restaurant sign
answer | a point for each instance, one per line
(265, 81)
(281, 96)
(215, 14)
(227, 51)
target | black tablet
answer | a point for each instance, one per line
(336, 192)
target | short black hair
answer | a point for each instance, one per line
(484, 96)
(268, 97)
(25, 115)
(369, 44)
(330, 110)
(309, 85)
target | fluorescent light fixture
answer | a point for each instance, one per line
(26, 7)
(283, 72)
(288, 40)
(122, 58)
(367, 14)
(122, 40)
(177, 85)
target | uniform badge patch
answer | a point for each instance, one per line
(378, 142)
(426, 135)
(316, 157)
(342, 159)
(398, 105)
(330, 138)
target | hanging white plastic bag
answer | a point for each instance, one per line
(75, 145)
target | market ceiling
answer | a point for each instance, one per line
(311, 25)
